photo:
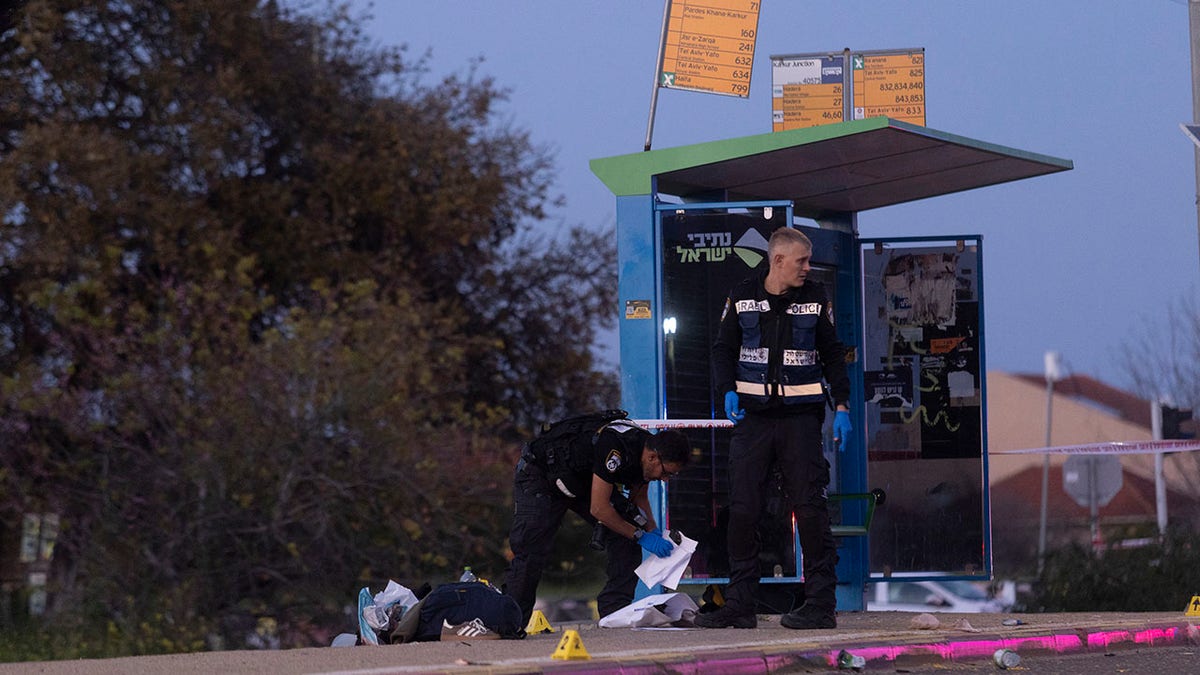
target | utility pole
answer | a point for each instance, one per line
(1053, 369)
(1160, 484)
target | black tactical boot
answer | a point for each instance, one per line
(809, 617)
(727, 617)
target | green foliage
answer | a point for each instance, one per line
(1155, 577)
(82, 637)
(273, 315)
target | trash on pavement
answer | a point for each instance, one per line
(655, 611)
(924, 621)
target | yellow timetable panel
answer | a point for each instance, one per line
(889, 85)
(806, 92)
(710, 46)
(818, 88)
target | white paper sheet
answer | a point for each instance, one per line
(667, 571)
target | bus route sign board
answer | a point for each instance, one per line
(810, 89)
(806, 91)
(890, 84)
(709, 46)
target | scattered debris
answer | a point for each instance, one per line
(1006, 658)
(848, 661)
(964, 625)
(924, 622)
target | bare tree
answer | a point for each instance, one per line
(1162, 362)
(1163, 359)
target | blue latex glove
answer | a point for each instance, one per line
(654, 543)
(841, 429)
(732, 411)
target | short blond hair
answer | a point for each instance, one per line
(786, 236)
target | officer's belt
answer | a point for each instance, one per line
(787, 390)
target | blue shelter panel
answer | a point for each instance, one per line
(640, 319)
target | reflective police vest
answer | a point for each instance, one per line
(766, 367)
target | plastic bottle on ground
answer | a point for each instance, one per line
(848, 661)
(1006, 658)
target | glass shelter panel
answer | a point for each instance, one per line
(706, 251)
(923, 385)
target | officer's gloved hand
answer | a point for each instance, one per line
(732, 411)
(654, 543)
(841, 429)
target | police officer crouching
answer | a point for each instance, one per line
(584, 477)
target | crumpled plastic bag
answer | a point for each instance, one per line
(383, 611)
(394, 593)
(654, 611)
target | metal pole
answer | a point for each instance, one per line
(1194, 38)
(847, 86)
(1053, 371)
(1160, 485)
(662, 50)
(1093, 504)
(1041, 559)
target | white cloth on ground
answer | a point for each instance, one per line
(664, 609)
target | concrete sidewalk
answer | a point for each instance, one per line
(884, 639)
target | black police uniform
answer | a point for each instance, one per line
(541, 499)
(774, 351)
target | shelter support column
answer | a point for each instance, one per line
(639, 312)
(853, 554)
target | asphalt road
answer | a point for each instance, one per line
(1154, 661)
(1157, 642)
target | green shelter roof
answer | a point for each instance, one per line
(834, 168)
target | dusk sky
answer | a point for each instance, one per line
(1075, 262)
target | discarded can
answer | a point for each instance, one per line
(1006, 658)
(1012, 622)
(848, 661)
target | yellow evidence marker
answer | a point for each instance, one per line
(1193, 608)
(538, 623)
(570, 647)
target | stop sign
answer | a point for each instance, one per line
(1082, 472)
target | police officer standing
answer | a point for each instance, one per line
(775, 344)
(622, 457)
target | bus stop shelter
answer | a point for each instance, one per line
(693, 220)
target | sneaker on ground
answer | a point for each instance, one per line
(468, 629)
(808, 617)
(727, 617)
